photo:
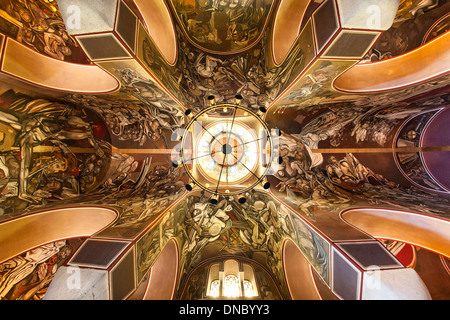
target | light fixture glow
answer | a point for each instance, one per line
(225, 156)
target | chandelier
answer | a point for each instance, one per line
(227, 149)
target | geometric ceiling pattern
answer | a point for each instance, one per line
(95, 95)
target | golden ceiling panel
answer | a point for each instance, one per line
(223, 26)
(160, 26)
(286, 27)
(25, 64)
(427, 62)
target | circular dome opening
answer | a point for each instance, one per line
(226, 149)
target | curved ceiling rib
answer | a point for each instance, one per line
(163, 274)
(417, 229)
(160, 26)
(286, 27)
(426, 62)
(50, 226)
(298, 273)
(27, 65)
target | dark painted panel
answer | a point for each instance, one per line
(98, 253)
(127, 25)
(103, 47)
(345, 278)
(370, 254)
(122, 278)
(350, 44)
(325, 23)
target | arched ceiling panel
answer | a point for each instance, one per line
(426, 62)
(52, 225)
(417, 229)
(287, 22)
(223, 27)
(26, 64)
(160, 26)
(40, 26)
(415, 23)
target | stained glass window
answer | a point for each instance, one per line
(248, 289)
(215, 288)
(231, 286)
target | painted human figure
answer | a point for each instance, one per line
(20, 267)
(38, 129)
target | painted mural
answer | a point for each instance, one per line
(223, 26)
(70, 152)
(198, 74)
(312, 181)
(196, 285)
(38, 25)
(417, 22)
(131, 122)
(85, 149)
(315, 89)
(411, 163)
(27, 276)
(254, 230)
(114, 150)
(47, 149)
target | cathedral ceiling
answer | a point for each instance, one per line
(89, 105)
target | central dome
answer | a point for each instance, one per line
(226, 149)
(232, 151)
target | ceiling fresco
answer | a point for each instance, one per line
(39, 26)
(26, 277)
(341, 147)
(254, 231)
(416, 23)
(223, 27)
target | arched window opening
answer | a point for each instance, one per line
(231, 286)
(231, 279)
(248, 289)
(215, 289)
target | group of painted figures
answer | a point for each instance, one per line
(68, 151)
